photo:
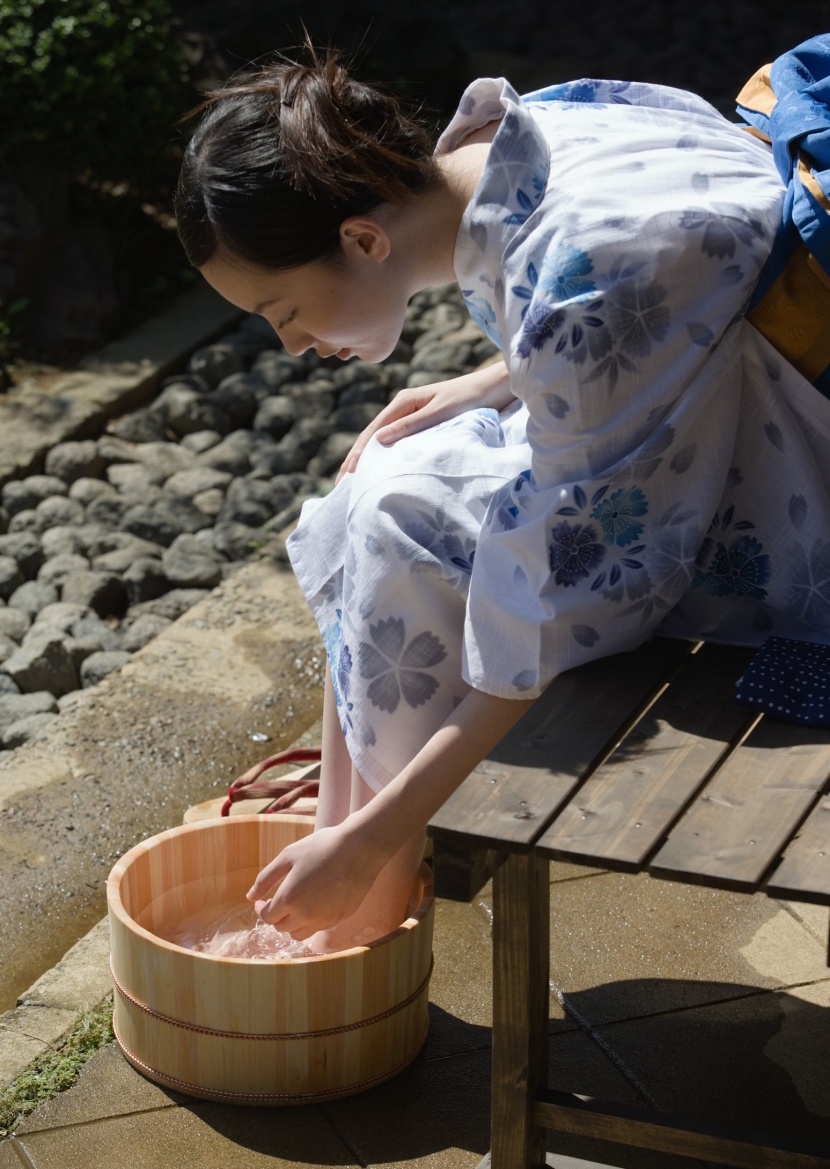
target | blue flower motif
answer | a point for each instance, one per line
(541, 323)
(565, 273)
(619, 514)
(637, 316)
(395, 668)
(809, 590)
(460, 555)
(740, 568)
(483, 314)
(529, 203)
(575, 552)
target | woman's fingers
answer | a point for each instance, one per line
(402, 416)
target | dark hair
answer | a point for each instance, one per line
(284, 154)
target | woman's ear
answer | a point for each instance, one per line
(364, 238)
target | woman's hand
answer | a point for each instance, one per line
(320, 880)
(419, 407)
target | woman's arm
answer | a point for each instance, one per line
(323, 878)
(417, 408)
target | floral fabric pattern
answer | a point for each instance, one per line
(663, 469)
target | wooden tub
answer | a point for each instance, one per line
(253, 1031)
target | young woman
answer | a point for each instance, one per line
(641, 458)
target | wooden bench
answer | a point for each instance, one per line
(640, 762)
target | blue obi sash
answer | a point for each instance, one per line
(788, 104)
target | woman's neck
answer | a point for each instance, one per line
(426, 231)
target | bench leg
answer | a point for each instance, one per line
(521, 935)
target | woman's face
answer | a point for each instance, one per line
(347, 308)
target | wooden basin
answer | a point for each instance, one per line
(254, 1031)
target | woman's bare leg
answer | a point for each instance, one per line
(387, 903)
(334, 798)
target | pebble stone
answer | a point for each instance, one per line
(124, 532)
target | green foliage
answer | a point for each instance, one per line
(58, 1070)
(95, 85)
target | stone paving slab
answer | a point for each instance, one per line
(118, 378)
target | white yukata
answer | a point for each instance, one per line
(663, 467)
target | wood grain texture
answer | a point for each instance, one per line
(737, 829)
(521, 938)
(255, 1031)
(508, 801)
(804, 874)
(628, 805)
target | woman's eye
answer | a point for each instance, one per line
(286, 321)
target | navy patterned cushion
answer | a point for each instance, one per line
(789, 680)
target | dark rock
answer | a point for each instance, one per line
(104, 592)
(357, 372)
(27, 730)
(136, 479)
(117, 450)
(80, 648)
(121, 559)
(91, 626)
(32, 596)
(329, 459)
(96, 667)
(275, 368)
(60, 512)
(26, 549)
(189, 563)
(210, 502)
(25, 494)
(188, 378)
(442, 357)
(55, 570)
(87, 490)
(140, 426)
(43, 663)
(14, 623)
(26, 521)
(11, 577)
(216, 362)
(310, 400)
(69, 461)
(185, 411)
(7, 647)
(236, 398)
(232, 454)
(276, 416)
(237, 541)
(142, 631)
(363, 391)
(120, 541)
(108, 510)
(201, 441)
(356, 418)
(62, 541)
(164, 521)
(144, 580)
(176, 602)
(253, 501)
(16, 706)
(190, 483)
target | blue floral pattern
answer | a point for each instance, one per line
(396, 667)
(662, 469)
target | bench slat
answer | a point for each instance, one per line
(804, 874)
(740, 824)
(510, 798)
(628, 805)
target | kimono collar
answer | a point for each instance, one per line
(514, 178)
